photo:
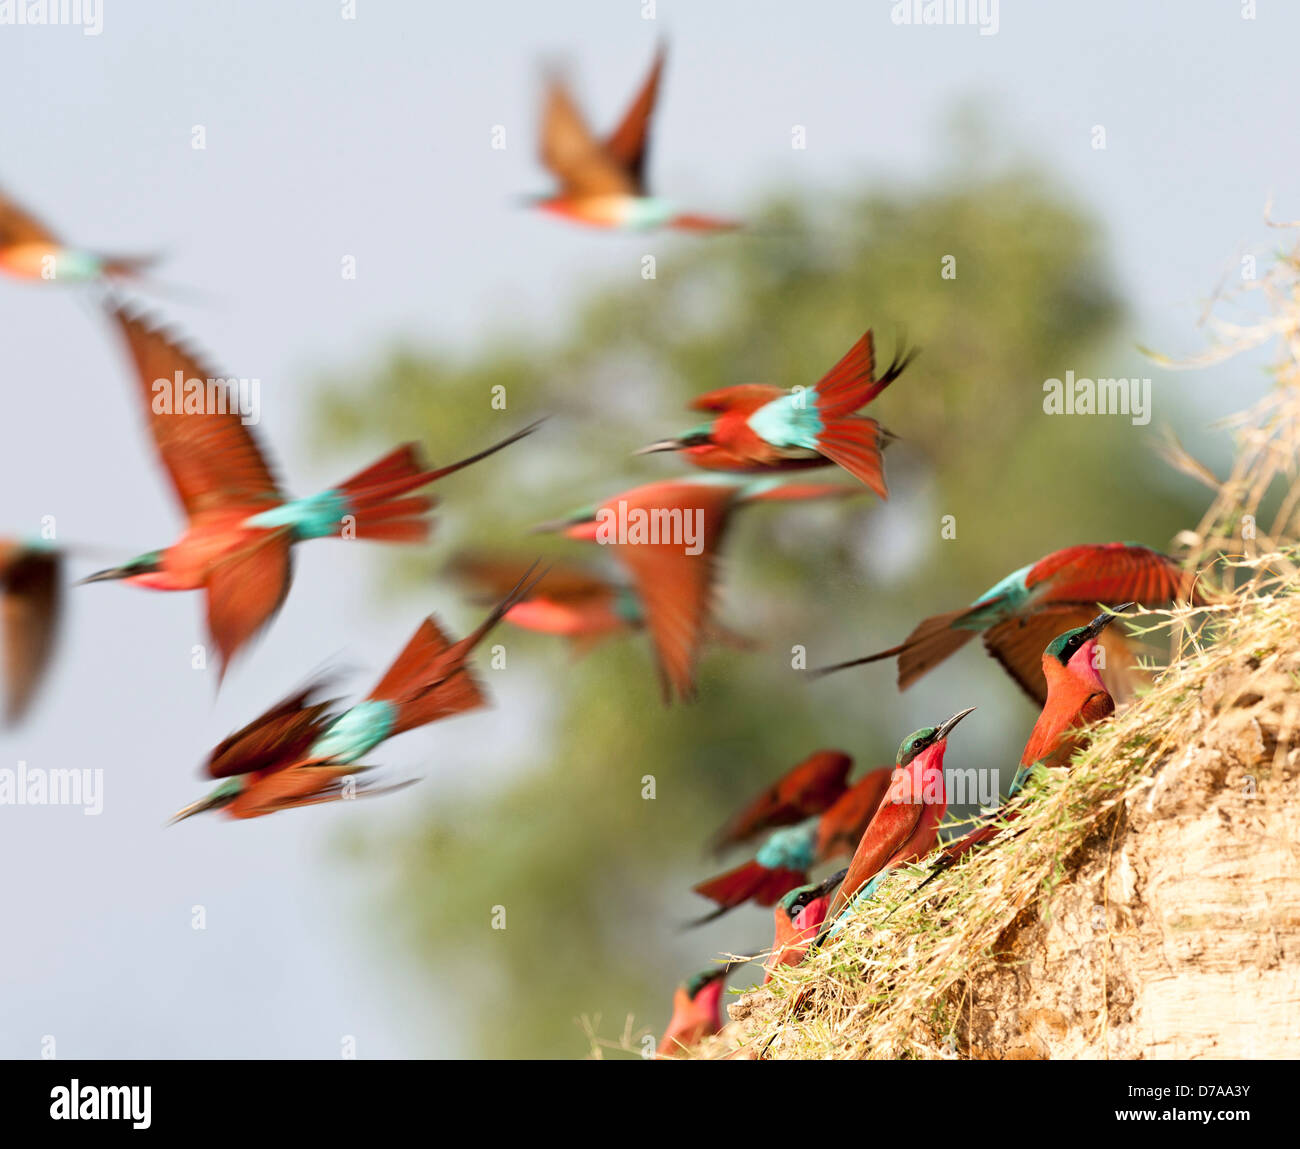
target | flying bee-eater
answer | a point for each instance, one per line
(602, 182)
(906, 826)
(1076, 700)
(799, 916)
(29, 250)
(1023, 612)
(759, 427)
(31, 597)
(809, 788)
(784, 860)
(241, 527)
(667, 536)
(303, 750)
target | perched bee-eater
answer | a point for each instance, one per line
(602, 182)
(799, 916)
(697, 1010)
(29, 250)
(667, 536)
(906, 826)
(758, 427)
(1076, 700)
(786, 857)
(241, 527)
(31, 596)
(302, 751)
(1022, 613)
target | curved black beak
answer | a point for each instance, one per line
(104, 576)
(1103, 620)
(946, 728)
(826, 886)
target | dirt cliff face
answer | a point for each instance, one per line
(1177, 932)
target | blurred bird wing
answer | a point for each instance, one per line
(677, 588)
(278, 737)
(31, 599)
(745, 397)
(212, 458)
(18, 226)
(246, 589)
(842, 826)
(627, 144)
(1018, 644)
(562, 582)
(573, 155)
(809, 788)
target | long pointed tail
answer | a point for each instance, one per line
(430, 679)
(692, 222)
(846, 438)
(380, 500)
(933, 640)
(748, 882)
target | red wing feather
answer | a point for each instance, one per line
(30, 609)
(743, 397)
(889, 830)
(809, 788)
(18, 226)
(627, 144)
(1111, 573)
(245, 591)
(573, 155)
(675, 587)
(279, 737)
(213, 460)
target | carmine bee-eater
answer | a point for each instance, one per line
(667, 536)
(602, 182)
(570, 602)
(807, 789)
(906, 826)
(799, 916)
(302, 750)
(1076, 699)
(785, 858)
(759, 427)
(241, 527)
(1022, 613)
(30, 606)
(29, 250)
(697, 1009)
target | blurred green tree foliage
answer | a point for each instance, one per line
(597, 879)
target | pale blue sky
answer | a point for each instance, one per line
(371, 137)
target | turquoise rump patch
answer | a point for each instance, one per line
(789, 849)
(790, 421)
(356, 732)
(316, 517)
(77, 266)
(1003, 599)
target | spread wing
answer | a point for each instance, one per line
(627, 145)
(809, 788)
(498, 575)
(573, 155)
(1018, 644)
(18, 226)
(211, 456)
(1111, 573)
(676, 587)
(245, 590)
(277, 738)
(30, 607)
